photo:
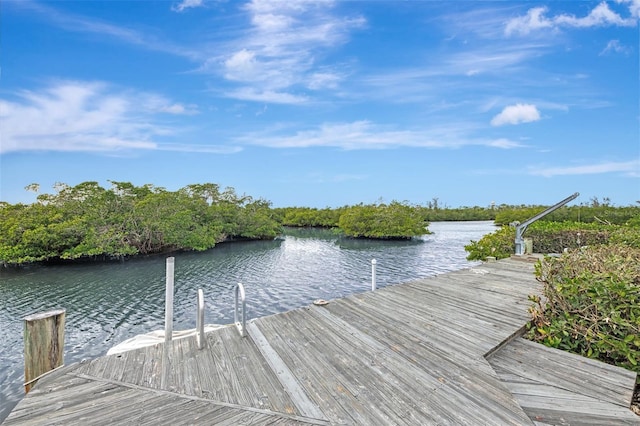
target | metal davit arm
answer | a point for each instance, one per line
(523, 226)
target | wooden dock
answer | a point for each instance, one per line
(443, 350)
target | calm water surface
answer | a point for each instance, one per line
(107, 303)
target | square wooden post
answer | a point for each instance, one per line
(43, 345)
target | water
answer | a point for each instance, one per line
(107, 303)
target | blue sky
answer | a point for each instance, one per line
(326, 103)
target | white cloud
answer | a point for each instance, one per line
(88, 116)
(87, 25)
(242, 66)
(364, 134)
(614, 46)
(504, 144)
(630, 168)
(153, 103)
(323, 80)
(516, 114)
(268, 96)
(180, 109)
(634, 7)
(186, 4)
(278, 52)
(600, 16)
(533, 20)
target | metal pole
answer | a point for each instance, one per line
(200, 320)
(168, 301)
(521, 228)
(373, 274)
(240, 321)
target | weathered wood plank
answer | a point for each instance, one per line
(460, 379)
(305, 406)
(568, 371)
(410, 384)
(86, 400)
(555, 406)
(407, 354)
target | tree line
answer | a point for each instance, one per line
(89, 221)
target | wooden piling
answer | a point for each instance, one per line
(43, 345)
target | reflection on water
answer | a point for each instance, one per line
(107, 303)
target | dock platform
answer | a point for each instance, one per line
(444, 350)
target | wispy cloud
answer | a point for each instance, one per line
(267, 96)
(629, 168)
(614, 46)
(516, 114)
(187, 4)
(277, 54)
(83, 24)
(89, 116)
(484, 22)
(367, 135)
(600, 16)
(203, 149)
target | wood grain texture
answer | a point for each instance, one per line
(554, 386)
(43, 345)
(438, 351)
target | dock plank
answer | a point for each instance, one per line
(441, 350)
(564, 370)
(553, 386)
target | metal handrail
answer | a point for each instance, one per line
(521, 228)
(200, 339)
(241, 325)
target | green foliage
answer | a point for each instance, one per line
(499, 244)
(306, 216)
(594, 213)
(89, 221)
(257, 220)
(626, 235)
(554, 237)
(385, 221)
(591, 304)
(502, 214)
(458, 214)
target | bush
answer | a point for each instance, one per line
(554, 237)
(499, 244)
(626, 236)
(591, 304)
(383, 221)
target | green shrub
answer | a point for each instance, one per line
(383, 221)
(628, 236)
(554, 237)
(591, 304)
(499, 244)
